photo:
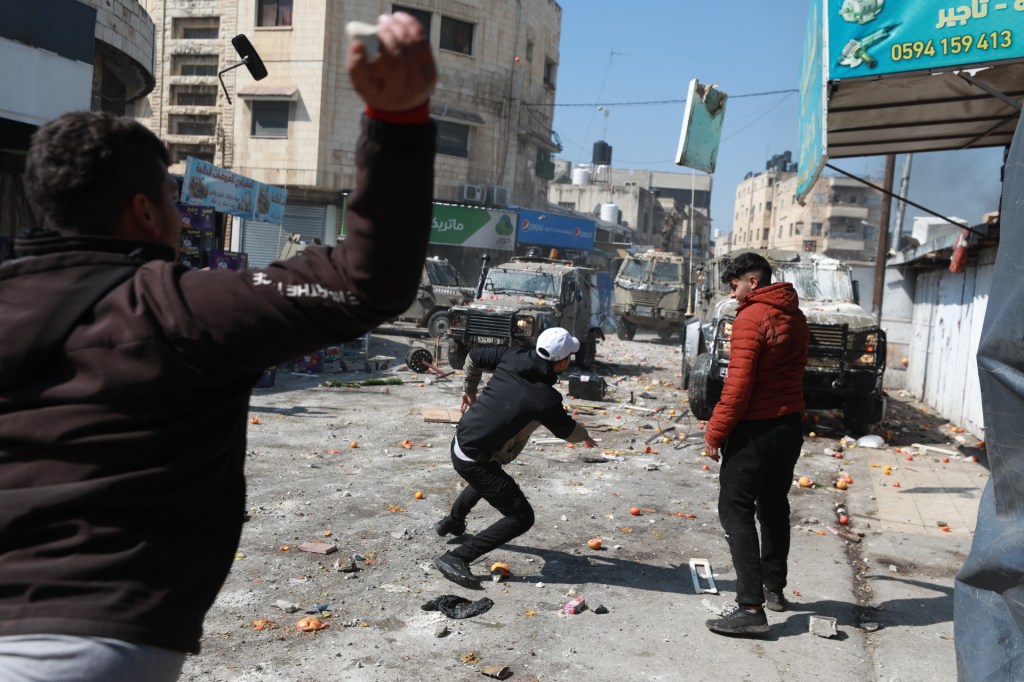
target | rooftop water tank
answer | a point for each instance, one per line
(610, 213)
(581, 176)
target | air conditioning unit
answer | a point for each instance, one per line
(497, 196)
(474, 194)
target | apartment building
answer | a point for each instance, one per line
(839, 218)
(297, 128)
(658, 207)
(58, 56)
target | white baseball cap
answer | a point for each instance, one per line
(556, 344)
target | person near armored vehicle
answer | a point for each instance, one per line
(756, 432)
(125, 378)
(494, 429)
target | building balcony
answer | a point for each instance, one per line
(846, 211)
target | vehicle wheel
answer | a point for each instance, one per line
(625, 330)
(437, 325)
(419, 359)
(857, 417)
(586, 354)
(456, 355)
(705, 392)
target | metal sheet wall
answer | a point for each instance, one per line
(948, 313)
(264, 241)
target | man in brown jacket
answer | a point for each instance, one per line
(756, 426)
(125, 378)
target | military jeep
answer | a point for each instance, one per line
(440, 288)
(651, 293)
(846, 356)
(520, 299)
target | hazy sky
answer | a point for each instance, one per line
(747, 47)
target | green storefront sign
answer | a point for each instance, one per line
(482, 228)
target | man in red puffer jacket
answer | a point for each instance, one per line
(756, 425)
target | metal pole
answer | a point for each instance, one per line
(883, 237)
(693, 215)
(901, 208)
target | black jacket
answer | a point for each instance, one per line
(519, 397)
(124, 392)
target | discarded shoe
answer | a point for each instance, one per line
(740, 622)
(455, 569)
(774, 601)
(448, 527)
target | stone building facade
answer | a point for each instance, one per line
(839, 218)
(297, 128)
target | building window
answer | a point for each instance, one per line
(764, 235)
(819, 198)
(194, 64)
(851, 228)
(815, 229)
(270, 118)
(799, 228)
(196, 28)
(184, 124)
(550, 69)
(420, 15)
(179, 152)
(273, 12)
(456, 35)
(810, 245)
(193, 95)
(529, 50)
(452, 139)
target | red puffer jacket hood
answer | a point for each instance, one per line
(766, 363)
(781, 295)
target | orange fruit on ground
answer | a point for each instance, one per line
(805, 482)
(842, 484)
(419, 495)
(843, 520)
(353, 444)
(594, 543)
(635, 511)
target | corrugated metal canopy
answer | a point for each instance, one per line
(923, 113)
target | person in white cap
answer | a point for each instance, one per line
(494, 429)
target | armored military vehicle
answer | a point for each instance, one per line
(651, 293)
(440, 289)
(518, 300)
(846, 357)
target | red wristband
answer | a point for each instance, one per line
(420, 114)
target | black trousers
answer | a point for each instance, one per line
(756, 475)
(490, 482)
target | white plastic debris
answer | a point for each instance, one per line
(871, 441)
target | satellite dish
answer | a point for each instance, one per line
(250, 59)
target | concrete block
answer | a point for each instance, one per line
(822, 626)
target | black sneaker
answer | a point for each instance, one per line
(455, 569)
(774, 601)
(448, 527)
(740, 622)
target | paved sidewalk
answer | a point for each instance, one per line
(908, 561)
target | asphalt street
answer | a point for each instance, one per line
(338, 462)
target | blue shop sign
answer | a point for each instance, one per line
(554, 229)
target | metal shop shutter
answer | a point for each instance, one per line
(264, 241)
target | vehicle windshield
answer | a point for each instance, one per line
(529, 282)
(634, 269)
(813, 281)
(667, 272)
(442, 273)
(819, 282)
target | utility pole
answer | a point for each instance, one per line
(901, 209)
(883, 236)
